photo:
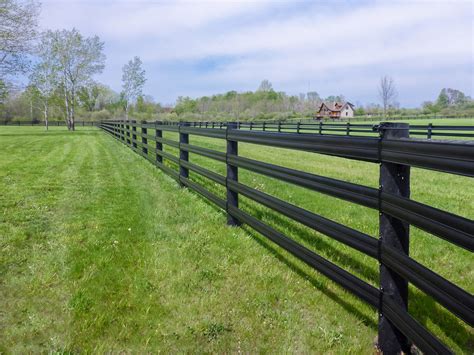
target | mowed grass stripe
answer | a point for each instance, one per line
(122, 259)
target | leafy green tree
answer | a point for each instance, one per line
(359, 111)
(430, 107)
(88, 96)
(443, 99)
(186, 105)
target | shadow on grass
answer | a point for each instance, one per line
(426, 310)
(317, 284)
(317, 243)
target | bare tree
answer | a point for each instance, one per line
(44, 81)
(387, 92)
(265, 86)
(75, 60)
(18, 30)
(133, 80)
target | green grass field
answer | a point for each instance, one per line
(100, 251)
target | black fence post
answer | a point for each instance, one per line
(394, 233)
(134, 134)
(430, 130)
(320, 127)
(127, 128)
(183, 154)
(298, 127)
(159, 145)
(122, 130)
(144, 138)
(348, 129)
(232, 174)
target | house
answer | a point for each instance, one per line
(335, 110)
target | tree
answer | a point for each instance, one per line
(88, 96)
(75, 60)
(3, 91)
(18, 30)
(43, 80)
(265, 86)
(451, 97)
(443, 99)
(387, 92)
(359, 111)
(133, 80)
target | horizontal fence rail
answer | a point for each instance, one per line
(50, 123)
(428, 131)
(392, 149)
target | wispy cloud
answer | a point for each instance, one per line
(200, 47)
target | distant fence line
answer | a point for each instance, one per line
(323, 128)
(393, 150)
(50, 123)
(350, 129)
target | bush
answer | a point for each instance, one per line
(101, 115)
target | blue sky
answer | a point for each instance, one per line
(196, 48)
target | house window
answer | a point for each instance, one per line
(347, 113)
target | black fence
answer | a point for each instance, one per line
(50, 123)
(429, 131)
(394, 151)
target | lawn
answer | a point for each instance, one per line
(100, 251)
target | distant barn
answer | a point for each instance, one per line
(335, 110)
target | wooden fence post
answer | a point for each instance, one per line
(394, 233)
(430, 130)
(183, 154)
(232, 174)
(134, 134)
(144, 138)
(159, 145)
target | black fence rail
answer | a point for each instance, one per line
(50, 123)
(429, 131)
(349, 129)
(394, 151)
